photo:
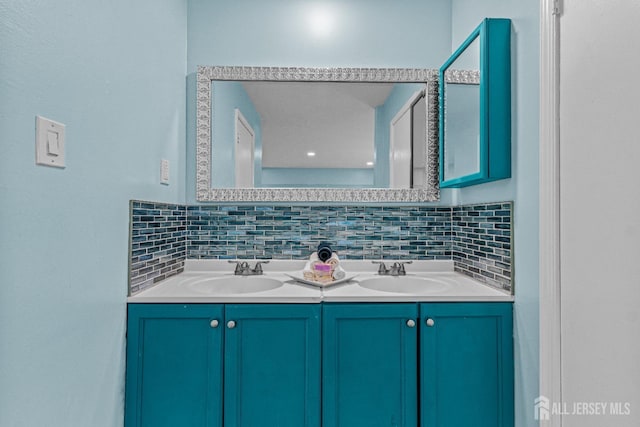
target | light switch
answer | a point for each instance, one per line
(53, 146)
(49, 142)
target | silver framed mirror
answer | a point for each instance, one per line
(429, 190)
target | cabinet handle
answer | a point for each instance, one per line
(214, 323)
(231, 324)
(430, 322)
(411, 323)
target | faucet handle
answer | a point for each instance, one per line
(383, 268)
(258, 268)
(400, 266)
(241, 266)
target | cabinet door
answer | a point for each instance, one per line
(174, 365)
(370, 365)
(272, 365)
(467, 364)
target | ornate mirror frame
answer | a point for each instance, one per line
(207, 74)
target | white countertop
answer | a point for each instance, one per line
(452, 286)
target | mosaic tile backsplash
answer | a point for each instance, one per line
(157, 243)
(283, 232)
(482, 242)
(478, 238)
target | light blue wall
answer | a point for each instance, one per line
(227, 96)
(114, 73)
(523, 186)
(366, 33)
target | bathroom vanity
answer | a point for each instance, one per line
(206, 348)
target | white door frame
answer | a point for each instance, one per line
(549, 209)
(401, 112)
(242, 121)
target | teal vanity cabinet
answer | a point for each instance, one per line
(369, 365)
(272, 365)
(180, 358)
(174, 365)
(475, 108)
(466, 364)
(320, 365)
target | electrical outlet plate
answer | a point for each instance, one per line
(50, 139)
(164, 171)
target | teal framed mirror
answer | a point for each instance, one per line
(475, 108)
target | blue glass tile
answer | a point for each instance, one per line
(284, 232)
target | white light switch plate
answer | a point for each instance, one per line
(164, 171)
(49, 143)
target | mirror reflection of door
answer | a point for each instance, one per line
(245, 143)
(418, 146)
(407, 162)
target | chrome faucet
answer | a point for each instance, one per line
(396, 269)
(243, 268)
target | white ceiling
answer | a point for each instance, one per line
(334, 120)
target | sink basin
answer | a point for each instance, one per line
(404, 284)
(226, 285)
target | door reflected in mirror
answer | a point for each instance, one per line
(318, 134)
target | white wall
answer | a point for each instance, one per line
(600, 207)
(114, 73)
